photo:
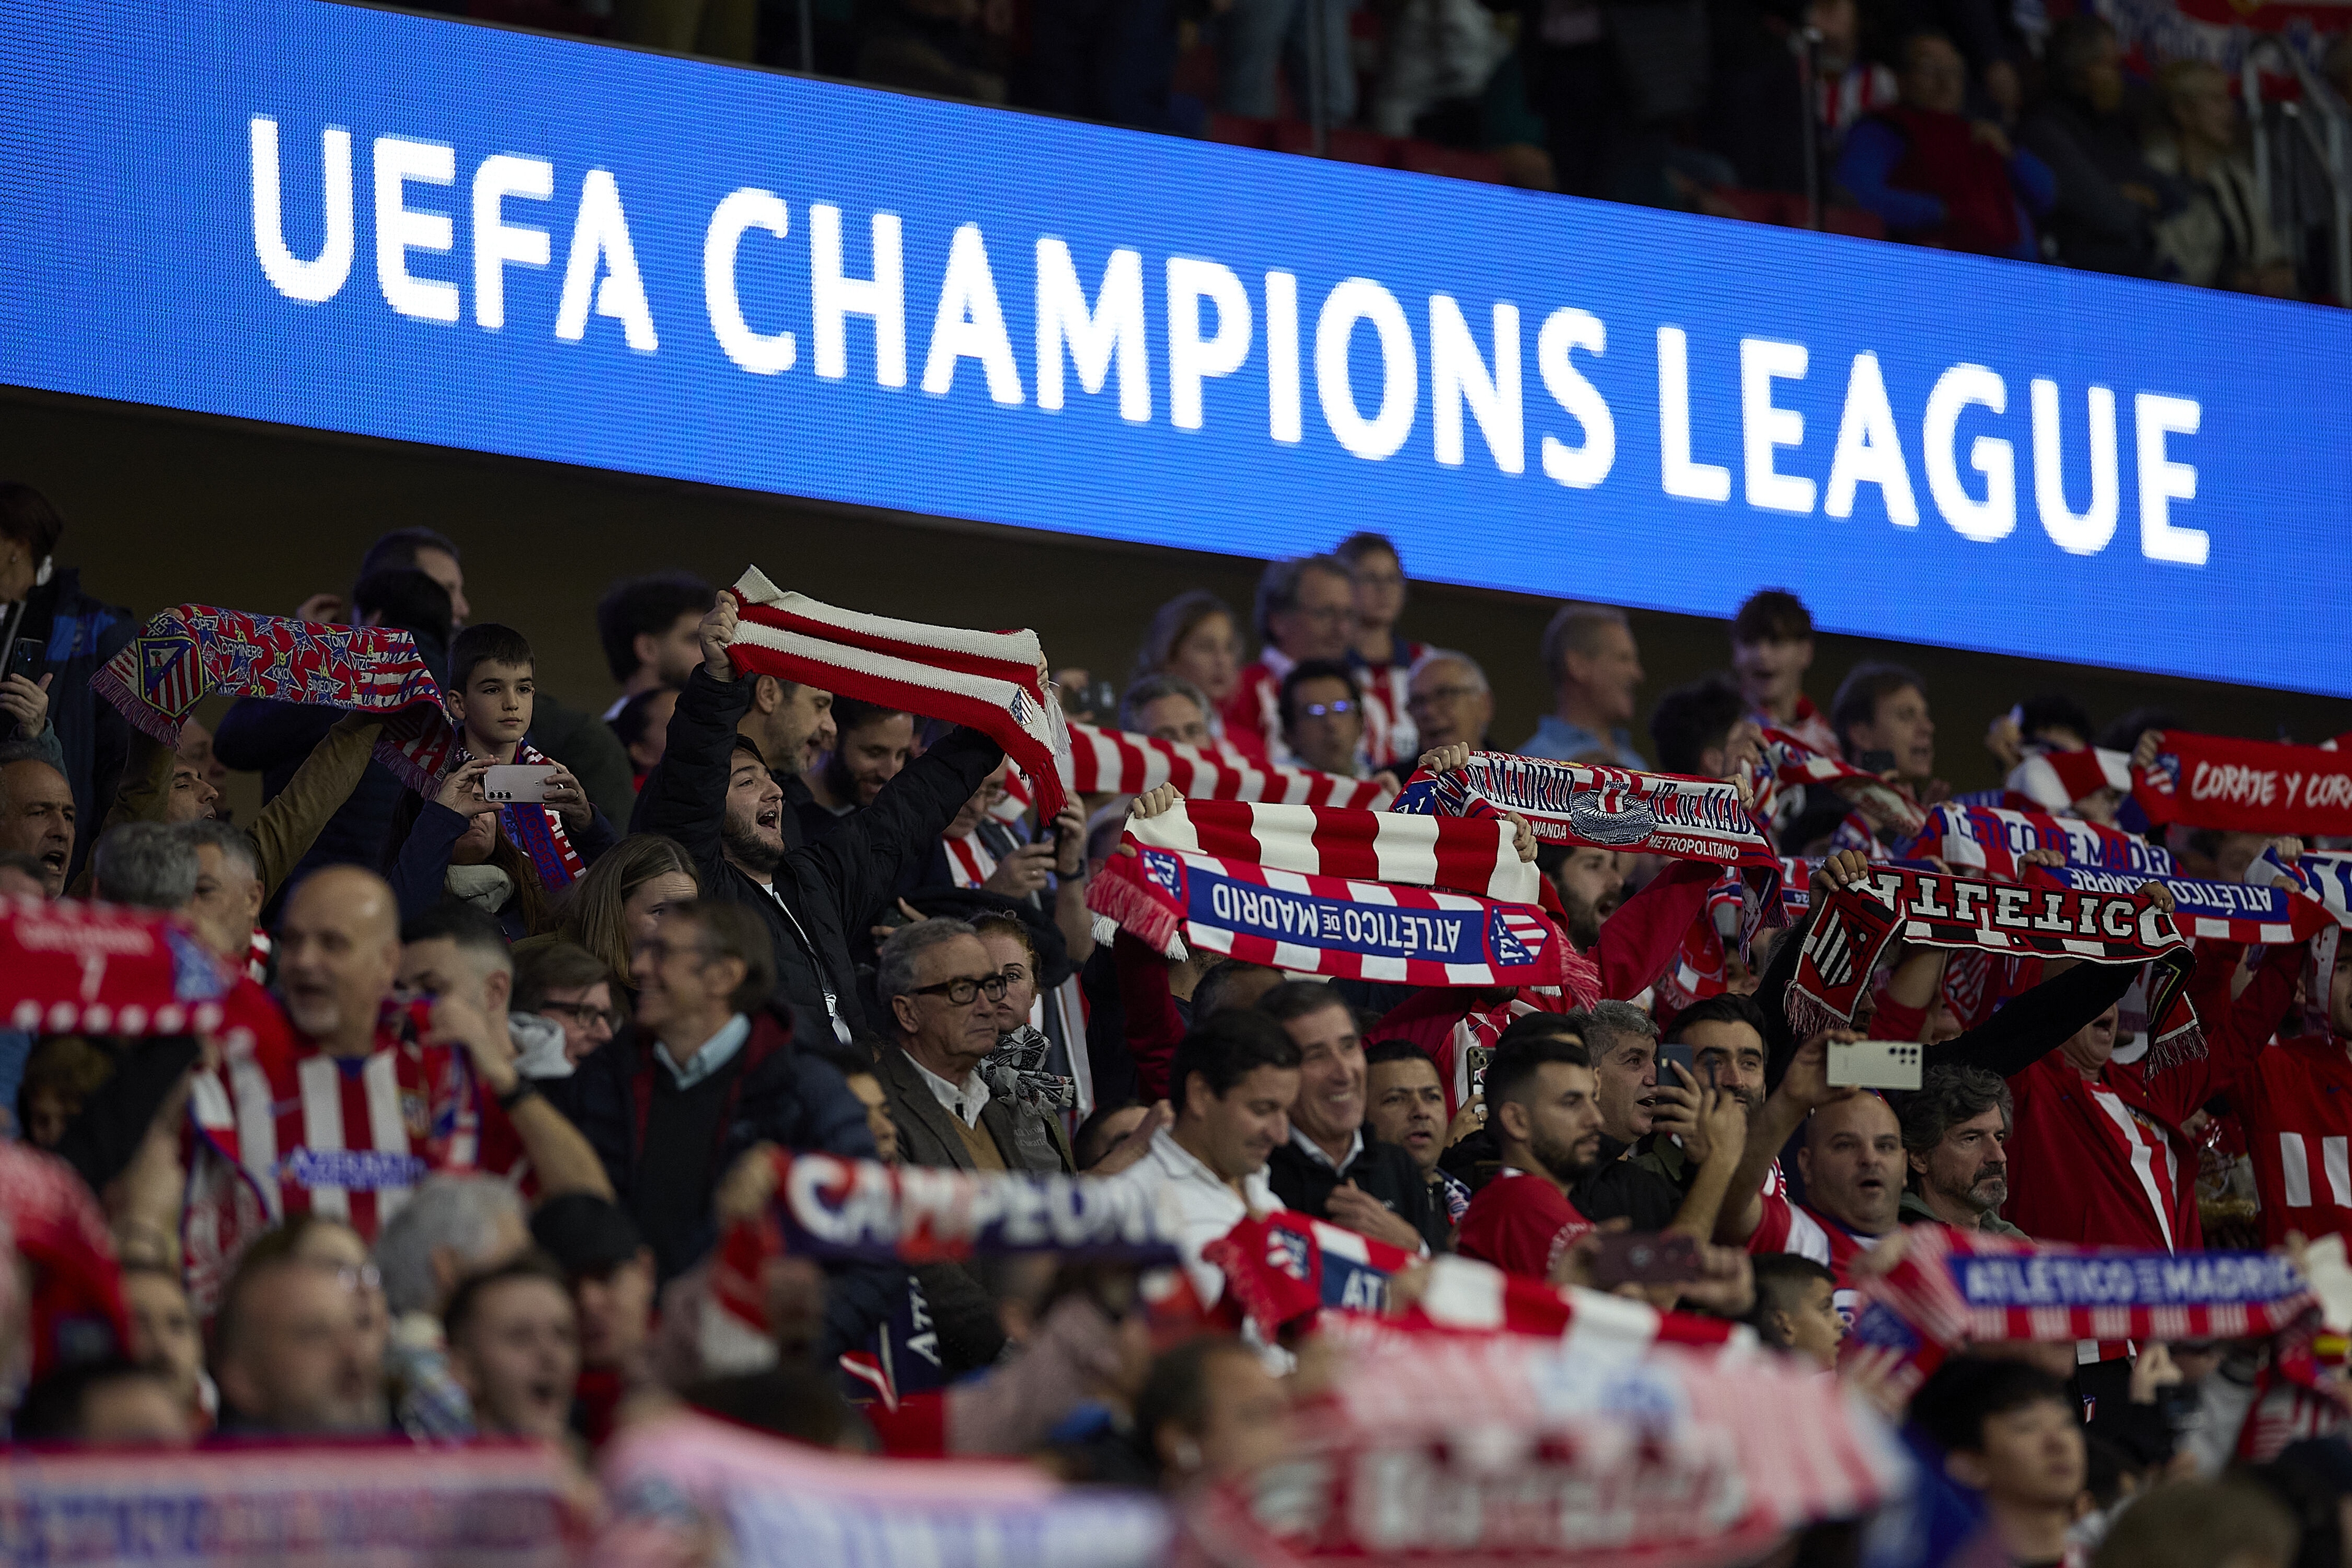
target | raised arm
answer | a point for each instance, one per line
(291, 822)
(685, 798)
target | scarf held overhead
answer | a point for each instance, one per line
(1107, 761)
(1853, 928)
(2247, 786)
(1599, 808)
(1786, 760)
(2101, 859)
(1951, 1287)
(185, 654)
(1280, 885)
(991, 681)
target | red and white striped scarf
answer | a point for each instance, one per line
(1325, 890)
(1107, 762)
(1787, 760)
(991, 681)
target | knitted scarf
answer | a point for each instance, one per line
(1015, 1070)
(187, 653)
(1284, 1266)
(991, 681)
(1787, 760)
(2247, 786)
(831, 1207)
(67, 966)
(1290, 886)
(1854, 927)
(2107, 860)
(1951, 1287)
(1106, 762)
(1613, 808)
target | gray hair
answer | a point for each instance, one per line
(233, 842)
(1452, 655)
(1575, 628)
(1277, 589)
(146, 864)
(1151, 690)
(1612, 1020)
(456, 1211)
(894, 973)
(1949, 1096)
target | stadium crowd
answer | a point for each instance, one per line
(500, 1081)
(2028, 130)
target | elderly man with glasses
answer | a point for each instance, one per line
(932, 978)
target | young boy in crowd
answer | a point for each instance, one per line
(1796, 1307)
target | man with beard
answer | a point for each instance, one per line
(1725, 1033)
(714, 795)
(1541, 1104)
(871, 746)
(1956, 1133)
(1330, 1168)
(793, 726)
(1591, 884)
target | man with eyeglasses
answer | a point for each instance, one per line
(1451, 704)
(941, 988)
(1306, 609)
(935, 977)
(1323, 716)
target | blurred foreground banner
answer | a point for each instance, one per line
(692, 1489)
(405, 227)
(354, 1505)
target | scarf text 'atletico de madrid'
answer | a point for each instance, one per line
(1325, 890)
(991, 681)
(1852, 926)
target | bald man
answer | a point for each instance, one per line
(1851, 1162)
(373, 1098)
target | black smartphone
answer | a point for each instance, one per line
(1875, 761)
(25, 659)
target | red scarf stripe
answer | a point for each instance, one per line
(847, 635)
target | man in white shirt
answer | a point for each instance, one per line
(1231, 1083)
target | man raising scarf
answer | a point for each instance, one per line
(718, 800)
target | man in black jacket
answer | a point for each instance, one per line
(712, 792)
(1329, 1169)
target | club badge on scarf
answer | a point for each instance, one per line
(1292, 886)
(2247, 786)
(1105, 762)
(1852, 926)
(1951, 1287)
(185, 654)
(1284, 1266)
(834, 1207)
(987, 680)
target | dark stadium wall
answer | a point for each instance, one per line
(163, 508)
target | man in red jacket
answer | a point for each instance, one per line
(2295, 1097)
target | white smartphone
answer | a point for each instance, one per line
(516, 782)
(1875, 1064)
